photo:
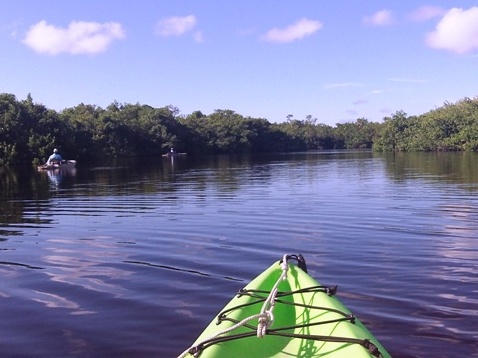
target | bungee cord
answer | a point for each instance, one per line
(265, 318)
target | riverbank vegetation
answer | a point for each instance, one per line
(29, 131)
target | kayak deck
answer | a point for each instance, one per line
(308, 321)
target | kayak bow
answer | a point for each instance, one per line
(284, 312)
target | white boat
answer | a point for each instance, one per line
(173, 154)
(58, 165)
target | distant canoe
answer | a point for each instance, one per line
(173, 154)
(63, 165)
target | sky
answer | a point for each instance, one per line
(335, 61)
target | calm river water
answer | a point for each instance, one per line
(134, 258)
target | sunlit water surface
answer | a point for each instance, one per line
(134, 259)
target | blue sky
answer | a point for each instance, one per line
(333, 60)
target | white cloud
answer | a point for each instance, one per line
(457, 31)
(380, 18)
(425, 13)
(78, 38)
(175, 26)
(341, 85)
(407, 80)
(302, 28)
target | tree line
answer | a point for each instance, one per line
(29, 131)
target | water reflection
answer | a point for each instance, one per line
(53, 301)
(56, 176)
(85, 264)
(445, 167)
(156, 174)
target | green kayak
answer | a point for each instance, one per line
(284, 312)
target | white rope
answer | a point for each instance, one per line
(227, 330)
(265, 317)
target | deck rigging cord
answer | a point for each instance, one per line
(265, 318)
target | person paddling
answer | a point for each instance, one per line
(54, 158)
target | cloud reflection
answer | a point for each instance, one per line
(83, 264)
(54, 301)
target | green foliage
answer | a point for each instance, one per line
(305, 134)
(24, 128)
(452, 127)
(394, 133)
(29, 131)
(356, 135)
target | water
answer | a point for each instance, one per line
(135, 258)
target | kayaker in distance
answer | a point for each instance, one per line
(55, 157)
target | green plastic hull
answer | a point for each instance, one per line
(304, 319)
